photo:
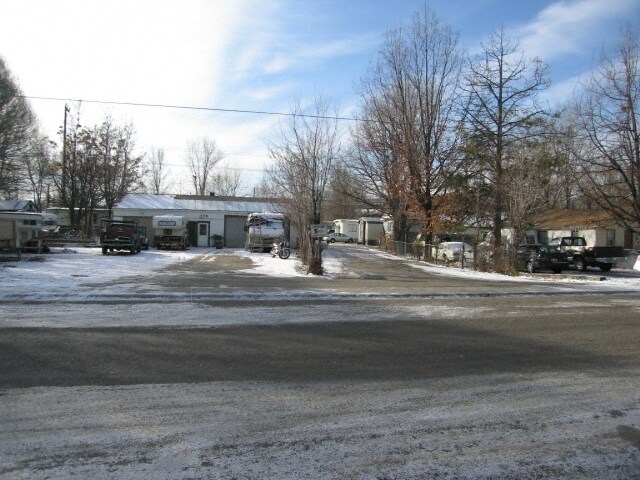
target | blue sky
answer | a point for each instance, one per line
(257, 55)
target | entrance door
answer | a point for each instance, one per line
(203, 234)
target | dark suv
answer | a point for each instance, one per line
(541, 257)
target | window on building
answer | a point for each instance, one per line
(611, 237)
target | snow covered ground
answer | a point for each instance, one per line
(559, 424)
(556, 425)
(73, 271)
(72, 277)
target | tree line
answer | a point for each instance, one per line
(443, 139)
(91, 167)
(446, 140)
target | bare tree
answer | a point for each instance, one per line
(98, 168)
(376, 167)
(74, 174)
(501, 111)
(412, 94)
(38, 165)
(202, 156)
(227, 181)
(303, 154)
(157, 172)
(610, 119)
(17, 129)
(119, 169)
(565, 148)
(525, 188)
(341, 196)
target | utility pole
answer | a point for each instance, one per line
(64, 152)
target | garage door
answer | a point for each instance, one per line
(234, 234)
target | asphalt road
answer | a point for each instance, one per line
(365, 325)
(420, 372)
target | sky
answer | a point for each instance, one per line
(182, 70)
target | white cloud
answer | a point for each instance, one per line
(560, 94)
(147, 51)
(571, 27)
(306, 55)
(143, 51)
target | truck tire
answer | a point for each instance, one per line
(580, 264)
(529, 266)
(104, 250)
(605, 267)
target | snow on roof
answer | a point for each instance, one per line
(17, 206)
(147, 201)
(137, 201)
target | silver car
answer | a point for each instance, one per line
(452, 252)
(337, 237)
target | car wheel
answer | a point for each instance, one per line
(350, 240)
(605, 267)
(557, 270)
(333, 240)
(529, 267)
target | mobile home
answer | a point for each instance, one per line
(370, 230)
(348, 227)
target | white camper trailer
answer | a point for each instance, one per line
(264, 229)
(170, 232)
(347, 226)
(20, 231)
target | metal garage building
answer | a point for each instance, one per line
(207, 215)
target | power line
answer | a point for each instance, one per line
(186, 107)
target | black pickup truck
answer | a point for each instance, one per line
(581, 256)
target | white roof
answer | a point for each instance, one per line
(143, 201)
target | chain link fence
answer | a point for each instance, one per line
(429, 252)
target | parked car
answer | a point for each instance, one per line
(337, 237)
(452, 252)
(541, 257)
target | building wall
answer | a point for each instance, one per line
(369, 232)
(595, 237)
(214, 219)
